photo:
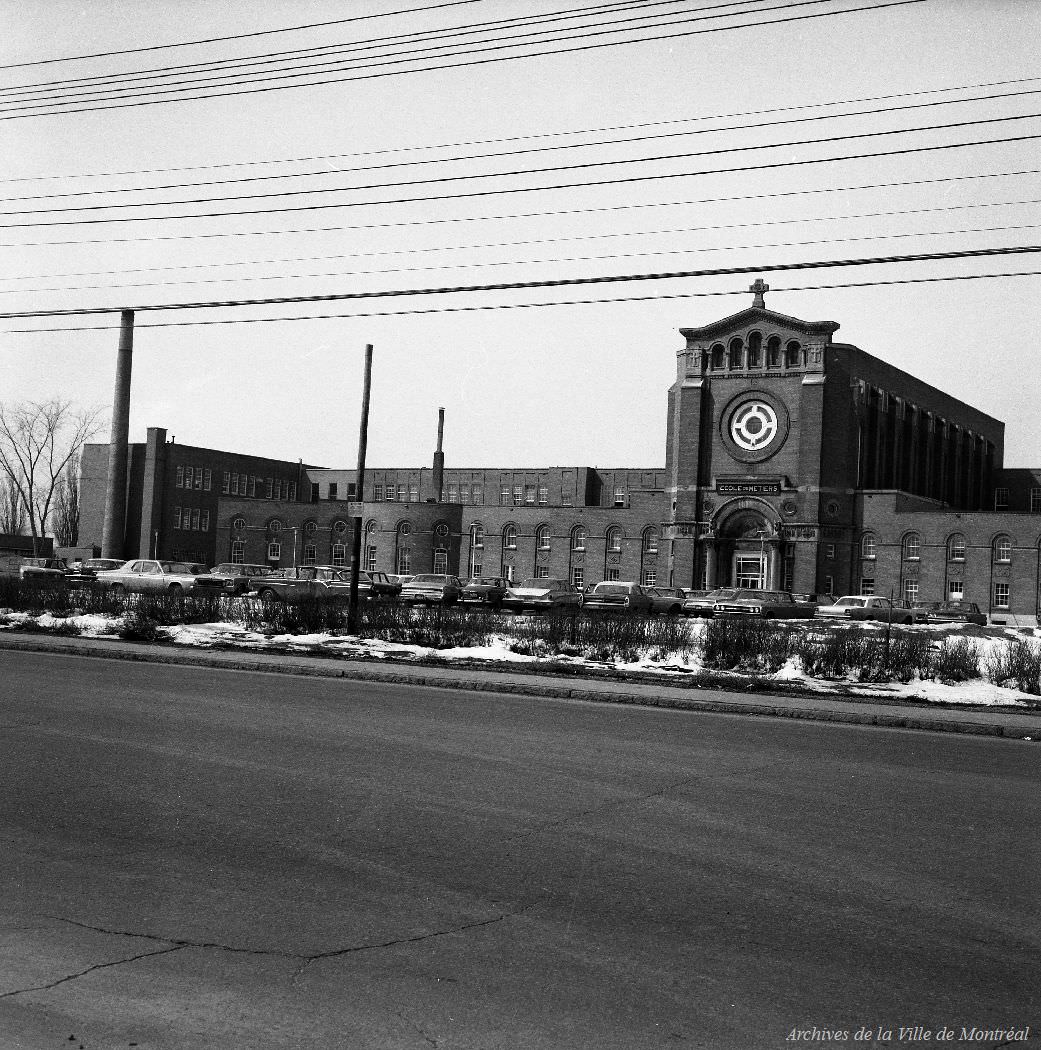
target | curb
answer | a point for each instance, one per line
(849, 715)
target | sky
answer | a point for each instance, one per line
(526, 376)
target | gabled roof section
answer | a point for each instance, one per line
(758, 315)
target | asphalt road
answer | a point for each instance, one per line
(193, 858)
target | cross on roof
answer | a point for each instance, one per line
(758, 289)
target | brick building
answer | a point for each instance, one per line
(791, 460)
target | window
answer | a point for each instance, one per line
(195, 520)
(578, 576)
(278, 488)
(275, 525)
(413, 493)
(504, 495)
(1001, 595)
(274, 551)
(518, 495)
(734, 357)
(291, 491)
(650, 540)
(1035, 501)
(252, 486)
(238, 552)
(567, 499)
(441, 561)
(235, 485)
(339, 554)
(716, 355)
(912, 547)
(189, 477)
(829, 550)
(238, 524)
(868, 545)
(613, 574)
(352, 490)
(542, 572)
(333, 489)
(1001, 499)
(177, 517)
(773, 352)
(478, 494)
(315, 494)
(198, 477)
(405, 528)
(269, 486)
(509, 537)
(477, 535)
(225, 485)
(464, 493)
(955, 591)
(477, 570)
(614, 538)
(578, 538)
(441, 530)
(401, 494)
(529, 493)
(755, 350)
(956, 547)
(207, 480)
(377, 492)
(453, 493)
(310, 554)
(339, 527)
(911, 591)
(829, 584)
(370, 559)
(542, 537)
(204, 521)
(506, 572)
(390, 492)
(543, 494)
(791, 358)
(1003, 549)
(310, 528)
(867, 586)
(650, 577)
(619, 495)
(404, 561)
(179, 483)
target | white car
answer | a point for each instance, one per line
(145, 576)
(873, 607)
(542, 593)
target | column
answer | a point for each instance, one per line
(710, 564)
(113, 536)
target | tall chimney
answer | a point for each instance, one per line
(439, 457)
(113, 536)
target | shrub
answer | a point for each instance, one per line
(436, 626)
(834, 653)
(747, 643)
(957, 660)
(1016, 664)
(66, 629)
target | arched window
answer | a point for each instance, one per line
(274, 526)
(868, 545)
(792, 355)
(755, 349)
(476, 534)
(773, 352)
(956, 547)
(542, 537)
(578, 538)
(371, 529)
(405, 528)
(441, 530)
(238, 524)
(1003, 549)
(339, 527)
(735, 353)
(614, 538)
(912, 547)
(310, 528)
(718, 359)
(650, 540)
(509, 538)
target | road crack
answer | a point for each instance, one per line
(89, 969)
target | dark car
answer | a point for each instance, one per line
(86, 573)
(703, 603)
(954, 612)
(231, 578)
(432, 588)
(667, 600)
(485, 590)
(770, 605)
(618, 596)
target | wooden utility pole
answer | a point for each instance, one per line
(363, 440)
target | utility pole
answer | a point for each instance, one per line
(363, 440)
(113, 532)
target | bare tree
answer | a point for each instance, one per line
(66, 520)
(12, 513)
(38, 440)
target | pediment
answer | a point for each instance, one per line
(769, 321)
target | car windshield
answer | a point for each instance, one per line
(611, 588)
(428, 578)
(851, 601)
(484, 581)
(176, 567)
(758, 596)
(722, 593)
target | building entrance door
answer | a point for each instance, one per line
(749, 571)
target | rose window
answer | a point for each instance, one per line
(753, 426)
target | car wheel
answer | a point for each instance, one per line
(117, 590)
(267, 595)
(176, 590)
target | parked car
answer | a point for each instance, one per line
(704, 603)
(429, 588)
(667, 601)
(399, 579)
(306, 581)
(485, 590)
(146, 576)
(86, 572)
(953, 612)
(770, 605)
(374, 584)
(813, 598)
(617, 596)
(542, 593)
(872, 607)
(50, 572)
(231, 578)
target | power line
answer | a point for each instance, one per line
(501, 140)
(517, 189)
(975, 253)
(468, 63)
(526, 306)
(442, 267)
(637, 206)
(238, 36)
(554, 148)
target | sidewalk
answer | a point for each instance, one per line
(1012, 723)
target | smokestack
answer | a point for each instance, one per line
(439, 457)
(113, 536)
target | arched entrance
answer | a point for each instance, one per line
(743, 548)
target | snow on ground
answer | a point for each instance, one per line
(228, 635)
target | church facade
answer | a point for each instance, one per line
(792, 461)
